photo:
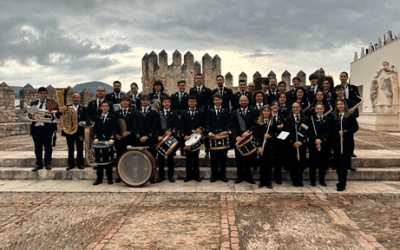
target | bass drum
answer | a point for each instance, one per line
(136, 167)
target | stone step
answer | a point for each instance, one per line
(60, 160)
(58, 173)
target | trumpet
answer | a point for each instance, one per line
(34, 114)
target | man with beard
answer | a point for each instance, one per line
(94, 107)
(227, 94)
(242, 92)
(273, 91)
(115, 96)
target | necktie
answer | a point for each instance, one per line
(259, 106)
(198, 90)
(217, 111)
(103, 118)
(134, 97)
(124, 113)
(41, 105)
(242, 93)
(180, 96)
(220, 91)
(297, 118)
(98, 104)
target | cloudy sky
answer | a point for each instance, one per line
(69, 42)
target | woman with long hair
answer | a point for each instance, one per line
(344, 127)
(284, 106)
(300, 96)
(327, 88)
(320, 99)
(320, 128)
(296, 125)
(265, 132)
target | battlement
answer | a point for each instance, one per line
(387, 39)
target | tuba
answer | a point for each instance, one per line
(69, 119)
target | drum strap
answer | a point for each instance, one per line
(242, 123)
(163, 122)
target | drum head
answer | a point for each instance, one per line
(193, 139)
(135, 167)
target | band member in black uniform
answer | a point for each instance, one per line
(301, 97)
(42, 134)
(344, 127)
(115, 96)
(340, 95)
(251, 87)
(217, 123)
(130, 118)
(265, 132)
(319, 99)
(281, 159)
(78, 137)
(284, 106)
(273, 91)
(258, 101)
(94, 107)
(320, 128)
(281, 89)
(350, 91)
(265, 87)
(312, 90)
(242, 92)
(147, 124)
(328, 89)
(203, 96)
(158, 91)
(291, 96)
(242, 124)
(296, 125)
(179, 102)
(135, 96)
(227, 94)
(105, 129)
(192, 120)
(169, 126)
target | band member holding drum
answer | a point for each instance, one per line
(179, 102)
(78, 137)
(280, 157)
(94, 107)
(168, 126)
(203, 95)
(42, 134)
(135, 96)
(296, 125)
(115, 96)
(320, 128)
(227, 94)
(217, 123)
(147, 125)
(265, 133)
(129, 117)
(344, 127)
(242, 124)
(192, 121)
(105, 129)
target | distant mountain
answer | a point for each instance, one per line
(92, 86)
(16, 90)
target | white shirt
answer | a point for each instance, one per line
(104, 117)
(165, 111)
(43, 108)
(346, 91)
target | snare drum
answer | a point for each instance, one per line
(167, 145)
(104, 153)
(194, 143)
(136, 166)
(246, 146)
(219, 142)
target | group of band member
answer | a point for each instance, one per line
(317, 120)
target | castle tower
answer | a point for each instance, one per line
(242, 76)
(229, 80)
(271, 75)
(302, 76)
(286, 77)
(207, 70)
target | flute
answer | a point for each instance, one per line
(341, 136)
(265, 139)
(319, 148)
(297, 139)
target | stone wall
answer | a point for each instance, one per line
(18, 128)
(7, 104)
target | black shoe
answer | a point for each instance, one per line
(295, 185)
(97, 182)
(197, 179)
(313, 184)
(118, 180)
(36, 168)
(251, 181)
(110, 181)
(322, 183)
(152, 180)
(352, 169)
(81, 167)
(95, 168)
(261, 185)
(160, 179)
(171, 179)
(207, 155)
(300, 184)
(48, 167)
(224, 179)
(353, 155)
(186, 179)
(279, 182)
(238, 180)
(269, 186)
(213, 179)
(69, 168)
(340, 188)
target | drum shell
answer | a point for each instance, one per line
(136, 167)
(219, 143)
(167, 145)
(196, 146)
(247, 146)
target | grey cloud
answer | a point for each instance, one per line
(260, 55)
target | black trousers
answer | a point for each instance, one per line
(100, 172)
(71, 142)
(192, 164)
(218, 163)
(281, 159)
(318, 160)
(297, 166)
(266, 165)
(42, 137)
(342, 165)
(244, 164)
(161, 164)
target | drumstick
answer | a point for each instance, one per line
(265, 139)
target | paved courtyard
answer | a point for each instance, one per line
(77, 215)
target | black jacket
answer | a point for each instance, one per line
(237, 97)
(203, 98)
(82, 116)
(350, 127)
(179, 105)
(93, 111)
(249, 118)
(48, 126)
(323, 129)
(189, 123)
(112, 97)
(105, 130)
(135, 103)
(217, 124)
(147, 124)
(226, 97)
(172, 122)
(130, 120)
(260, 130)
(310, 94)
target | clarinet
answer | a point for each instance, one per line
(297, 139)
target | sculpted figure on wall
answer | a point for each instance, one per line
(384, 89)
(373, 92)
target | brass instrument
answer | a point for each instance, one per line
(89, 151)
(34, 114)
(69, 118)
(155, 104)
(356, 106)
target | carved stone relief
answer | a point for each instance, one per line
(384, 90)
